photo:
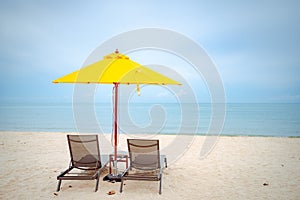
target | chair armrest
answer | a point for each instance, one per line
(65, 172)
(163, 161)
(125, 172)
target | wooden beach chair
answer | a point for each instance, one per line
(86, 162)
(146, 163)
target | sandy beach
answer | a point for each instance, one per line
(237, 168)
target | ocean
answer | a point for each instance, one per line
(245, 119)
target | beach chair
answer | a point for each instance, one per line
(146, 163)
(86, 162)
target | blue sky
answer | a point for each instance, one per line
(254, 44)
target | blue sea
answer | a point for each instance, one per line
(248, 119)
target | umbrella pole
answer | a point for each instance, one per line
(115, 176)
(116, 122)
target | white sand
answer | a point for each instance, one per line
(237, 168)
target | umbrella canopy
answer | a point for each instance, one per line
(116, 69)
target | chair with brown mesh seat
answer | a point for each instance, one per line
(146, 163)
(86, 162)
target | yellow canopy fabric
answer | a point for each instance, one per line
(116, 68)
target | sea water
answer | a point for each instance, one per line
(251, 119)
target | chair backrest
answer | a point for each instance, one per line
(144, 154)
(84, 151)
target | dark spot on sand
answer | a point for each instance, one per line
(112, 192)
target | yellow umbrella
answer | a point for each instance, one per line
(116, 69)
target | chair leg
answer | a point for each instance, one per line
(121, 186)
(58, 186)
(166, 164)
(97, 184)
(160, 182)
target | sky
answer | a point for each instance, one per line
(255, 45)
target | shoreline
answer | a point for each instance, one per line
(186, 134)
(236, 168)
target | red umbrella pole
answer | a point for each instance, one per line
(116, 121)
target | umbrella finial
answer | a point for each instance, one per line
(116, 51)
